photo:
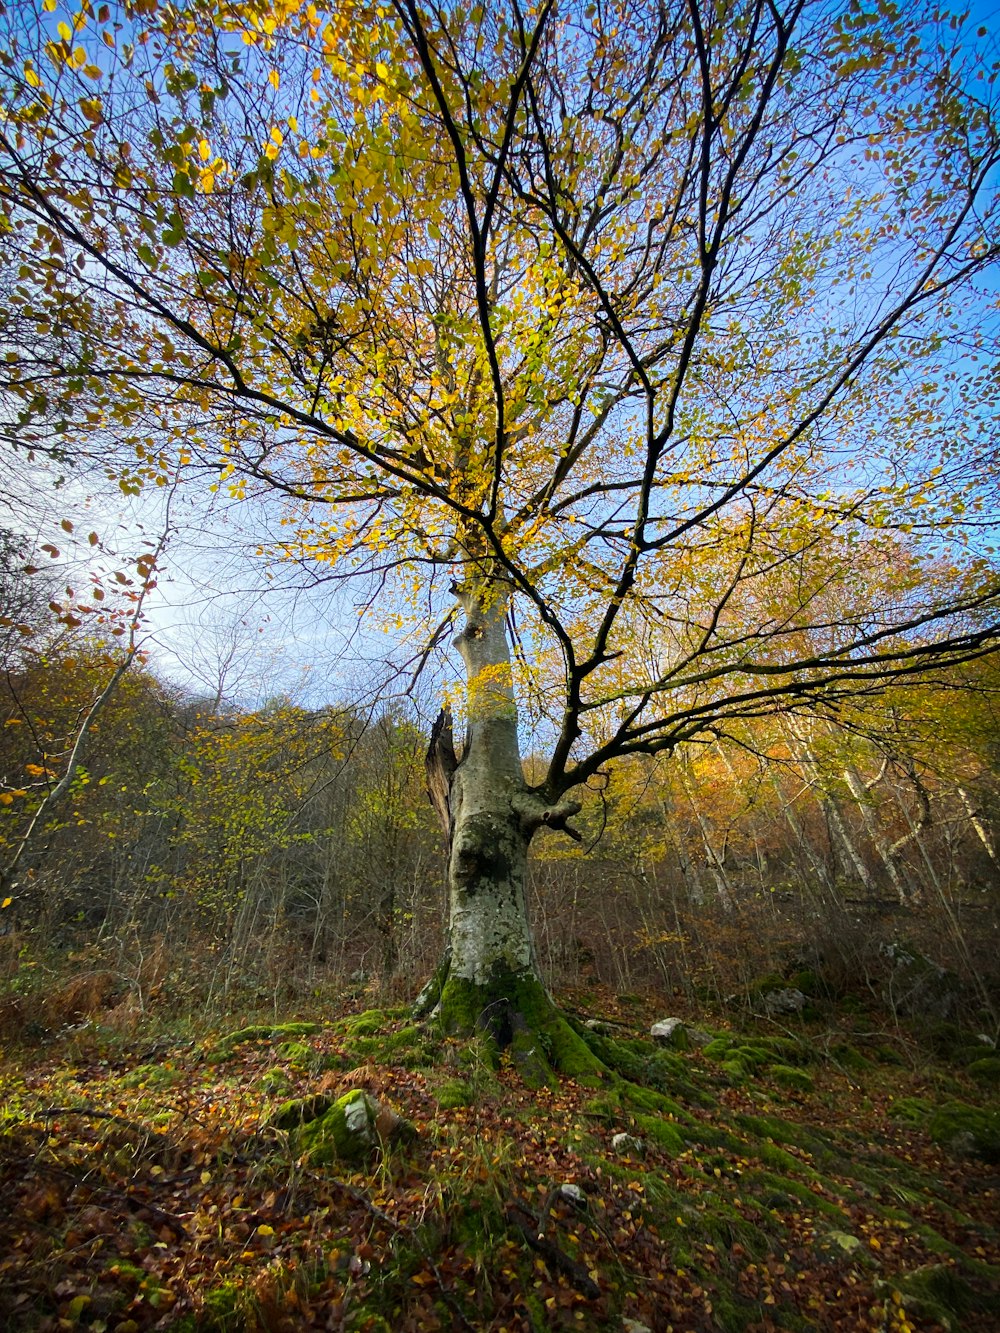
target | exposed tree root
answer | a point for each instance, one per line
(516, 1013)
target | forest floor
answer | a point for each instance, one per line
(831, 1174)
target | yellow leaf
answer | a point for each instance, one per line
(204, 150)
(6, 903)
(382, 70)
(274, 78)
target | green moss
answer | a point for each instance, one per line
(733, 1314)
(788, 1077)
(725, 1225)
(300, 1111)
(788, 1050)
(275, 1082)
(765, 1184)
(753, 1057)
(773, 1156)
(966, 1130)
(476, 1056)
(222, 1310)
(648, 1099)
(936, 1292)
(257, 1032)
(152, 1076)
(849, 1057)
(986, 1071)
(295, 1052)
(630, 1058)
(407, 1046)
(516, 1012)
(350, 1130)
(455, 1092)
(369, 1023)
(809, 983)
(608, 1106)
(888, 1055)
(718, 1048)
(130, 1272)
(365, 1321)
(912, 1110)
(640, 1061)
(765, 985)
(430, 994)
(779, 1130)
(661, 1132)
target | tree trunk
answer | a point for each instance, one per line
(489, 981)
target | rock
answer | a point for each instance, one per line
(633, 1326)
(787, 1000)
(301, 1111)
(919, 987)
(670, 1032)
(625, 1143)
(967, 1131)
(984, 1040)
(352, 1129)
(678, 1034)
(573, 1194)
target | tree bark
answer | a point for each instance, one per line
(489, 980)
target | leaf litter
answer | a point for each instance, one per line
(160, 1196)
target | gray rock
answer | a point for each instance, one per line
(788, 1000)
(675, 1032)
(627, 1143)
(670, 1032)
(919, 987)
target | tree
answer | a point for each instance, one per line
(633, 339)
(36, 788)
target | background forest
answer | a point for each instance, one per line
(210, 854)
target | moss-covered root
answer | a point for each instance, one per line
(516, 1013)
(430, 996)
(349, 1129)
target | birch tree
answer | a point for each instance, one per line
(610, 343)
